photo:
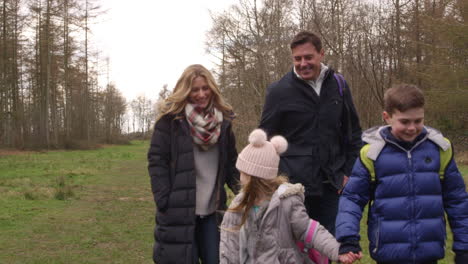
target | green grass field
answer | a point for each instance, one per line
(76, 207)
(90, 206)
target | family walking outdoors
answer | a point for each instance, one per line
(305, 176)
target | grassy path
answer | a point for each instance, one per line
(109, 218)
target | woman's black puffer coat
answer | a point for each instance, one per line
(172, 171)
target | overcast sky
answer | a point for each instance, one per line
(150, 42)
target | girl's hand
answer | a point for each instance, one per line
(349, 257)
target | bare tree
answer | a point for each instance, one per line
(52, 99)
(374, 44)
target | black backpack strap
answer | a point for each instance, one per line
(340, 81)
(346, 123)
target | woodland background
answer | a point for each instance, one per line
(51, 97)
(374, 44)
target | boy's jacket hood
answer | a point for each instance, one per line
(373, 137)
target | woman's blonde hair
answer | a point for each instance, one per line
(256, 188)
(177, 101)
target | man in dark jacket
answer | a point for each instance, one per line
(317, 117)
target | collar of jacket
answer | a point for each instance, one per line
(283, 191)
(373, 137)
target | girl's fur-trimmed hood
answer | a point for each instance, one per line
(288, 189)
(284, 190)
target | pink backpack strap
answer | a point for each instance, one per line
(311, 231)
(314, 255)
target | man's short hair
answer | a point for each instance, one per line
(304, 37)
(403, 97)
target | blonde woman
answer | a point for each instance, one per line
(191, 157)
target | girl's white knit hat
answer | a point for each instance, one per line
(261, 157)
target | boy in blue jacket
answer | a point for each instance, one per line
(408, 173)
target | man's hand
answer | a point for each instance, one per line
(345, 181)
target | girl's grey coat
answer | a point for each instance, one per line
(285, 222)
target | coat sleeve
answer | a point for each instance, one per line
(322, 240)
(353, 142)
(159, 156)
(270, 119)
(352, 202)
(232, 177)
(229, 242)
(456, 205)
(325, 243)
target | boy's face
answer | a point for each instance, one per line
(407, 125)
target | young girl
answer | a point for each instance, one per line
(267, 218)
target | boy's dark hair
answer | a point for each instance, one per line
(403, 97)
(304, 37)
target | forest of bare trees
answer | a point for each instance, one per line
(49, 91)
(374, 44)
(51, 96)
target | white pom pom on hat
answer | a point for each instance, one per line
(261, 157)
(257, 137)
(280, 144)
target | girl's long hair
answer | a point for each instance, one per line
(255, 188)
(177, 101)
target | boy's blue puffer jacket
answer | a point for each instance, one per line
(406, 221)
